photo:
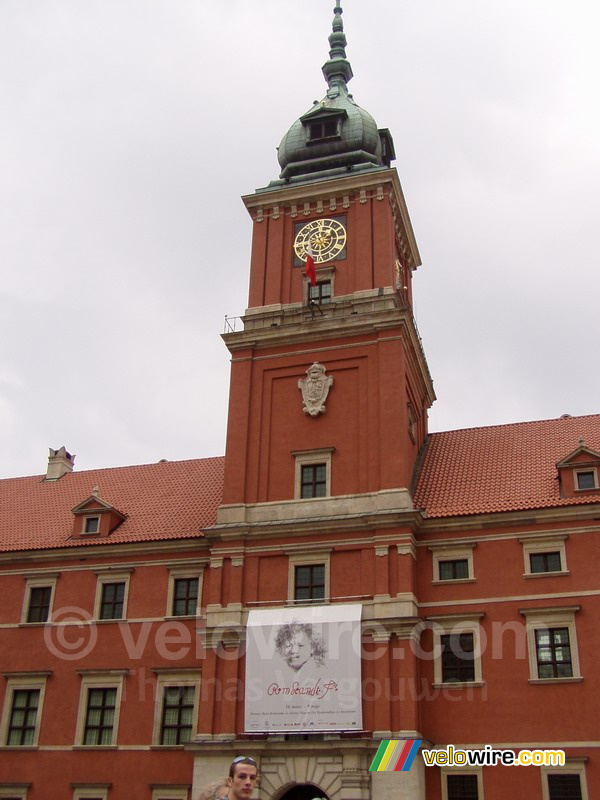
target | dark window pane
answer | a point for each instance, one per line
(321, 293)
(455, 569)
(100, 716)
(309, 582)
(545, 562)
(553, 653)
(313, 480)
(23, 716)
(113, 595)
(39, 604)
(178, 715)
(564, 787)
(585, 480)
(462, 787)
(185, 597)
(457, 657)
(92, 525)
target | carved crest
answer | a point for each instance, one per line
(315, 389)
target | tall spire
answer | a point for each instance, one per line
(337, 70)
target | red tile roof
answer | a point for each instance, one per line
(168, 500)
(501, 468)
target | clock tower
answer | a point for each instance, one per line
(328, 407)
(338, 197)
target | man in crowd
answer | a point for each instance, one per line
(243, 773)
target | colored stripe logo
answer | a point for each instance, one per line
(395, 755)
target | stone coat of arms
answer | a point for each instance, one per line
(315, 389)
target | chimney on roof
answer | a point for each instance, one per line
(59, 463)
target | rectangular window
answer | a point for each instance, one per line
(313, 482)
(452, 563)
(39, 603)
(545, 562)
(453, 570)
(91, 525)
(96, 792)
(100, 716)
(23, 717)
(553, 653)
(458, 663)
(309, 582)
(112, 601)
(185, 597)
(564, 787)
(320, 294)
(177, 714)
(586, 480)
(462, 787)
(323, 130)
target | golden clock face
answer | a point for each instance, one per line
(327, 238)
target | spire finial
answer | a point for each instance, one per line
(337, 70)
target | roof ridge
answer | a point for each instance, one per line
(517, 424)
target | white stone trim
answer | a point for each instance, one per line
(573, 766)
(174, 678)
(541, 619)
(15, 683)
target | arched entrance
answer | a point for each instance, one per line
(304, 791)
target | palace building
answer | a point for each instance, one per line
(340, 577)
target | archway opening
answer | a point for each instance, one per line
(304, 791)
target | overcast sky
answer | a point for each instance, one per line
(130, 128)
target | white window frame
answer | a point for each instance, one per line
(100, 679)
(542, 619)
(573, 766)
(108, 576)
(478, 771)
(39, 582)
(578, 471)
(83, 791)
(302, 559)
(452, 553)
(33, 681)
(84, 521)
(456, 624)
(163, 681)
(14, 790)
(188, 573)
(547, 544)
(305, 458)
(170, 792)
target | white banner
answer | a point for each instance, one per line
(303, 669)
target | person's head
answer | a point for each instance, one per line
(219, 790)
(242, 778)
(296, 643)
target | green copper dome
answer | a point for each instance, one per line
(335, 135)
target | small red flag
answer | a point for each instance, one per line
(310, 265)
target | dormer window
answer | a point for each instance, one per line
(95, 517)
(326, 129)
(91, 525)
(585, 480)
(578, 472)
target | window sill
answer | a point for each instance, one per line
(105, 621)
(544, 681)
(95, 747)
(554, 574)
(34, 624)
(459, 685)
(454, 580)
(18, 747)
(171, 617)
(163, 747)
